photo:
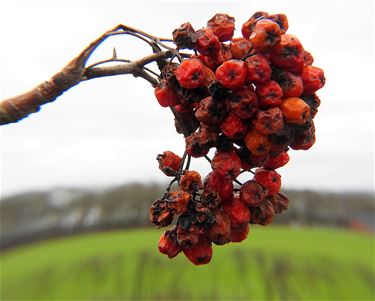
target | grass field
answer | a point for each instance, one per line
(275, 263)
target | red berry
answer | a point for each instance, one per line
(219, 232)
(313, 79)
(281, 20)
(263, 214)
(211, 111)
(184, 36)
(269, 179)
(258, 143)
(243, 102)
(207, 43)
(168, 244)
(258, 69)
(237, 211)
(233, 127)
(222, 26)
(165, 94)
(231, 74)
(248, 26)
(269, 121)
(239, 234)
(201, 253)
(190, 74)
(280, 202)
(252, 193)
(226, 164)
(266, 34)
(277, 161)
(191, 181)
(222, 186)
(269, 94)
(240, 47)
(291, 84)
(169, 163)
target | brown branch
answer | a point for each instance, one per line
(19, 107)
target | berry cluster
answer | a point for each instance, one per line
(251, 98)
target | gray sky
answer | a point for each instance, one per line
(109, 131)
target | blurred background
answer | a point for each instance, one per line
(78, 177)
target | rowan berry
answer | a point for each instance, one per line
(252, 193)
(288, 54)
(177, 201)
(188, 234)
(239, 234)
(190, 181)
(169, 163)
(269, 179)
(210, 111)
(201, 253)
(226, 164)
(222, 55)
(258, 143)
(291, 84)
(168, 243)
(185, 36)
(269, 94)
(308, 58)
(313, 79)
(266, 34)
(165, 94)
(219, 232)
(222, 26)
(190, 74)
(222, 186)
(313, 101)
(258, 69)
(160, 214)
(240, 47)
(248, 26)
(207, 43)
(295, 110)
(249, 160)
(196, 146)
(243, 102)
(281, 20)
(279, 202)
(189, 121)
(237, 211)
(303, 136)
(262, 214)
(269, 121)
(274, 162)
(281, 140)
(233, 127)
(231, 74)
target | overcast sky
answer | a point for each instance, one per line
(108, 131)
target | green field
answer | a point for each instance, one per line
(275, 263)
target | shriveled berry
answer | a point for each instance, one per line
(258, 69)
(274, 162)
(222, 186)
(217, 91)
(168, 243)
(281, 20)
(240, 47)
(233, 127)
(313, 101)
(196, 146)
(190, 74)
(219, 232)
(303, 136)
(280, 202)
(239, 234)
(249, 160)
(295, 110)
(207, 43)
(308, 58)
(288, 54)
(291, 84)
(169, 163)
(248, 26)
(226, 164)
(160, 214)
(201, 253)
(222, 26)
(313, 79)
(263, 214)
(269, 121)
(281, 140)
(252, 193)
(188, 233)
(190, 181)
(266, 34)
(257, 143)
(231, 74)
(211, 112)
(237, 211)
(184, 36)
(177, 201)
(269, 179)
(269, 94)
(165, 94)
(222, 55)
(243, 102)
